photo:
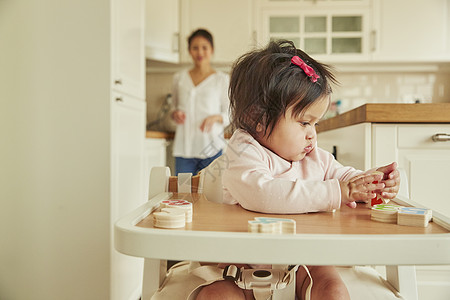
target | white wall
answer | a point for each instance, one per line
(54, 149)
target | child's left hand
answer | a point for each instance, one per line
(391, 180)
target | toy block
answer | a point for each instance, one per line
(169, 218)
(414, 216)
(378, 199)
(385, 213)
(181, 204)
(272, 225)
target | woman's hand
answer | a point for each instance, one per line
(208, 122)
(179, 116)
(391, 180)
(360, 188)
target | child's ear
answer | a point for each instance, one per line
(259, 128)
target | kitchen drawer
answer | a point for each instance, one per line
(419, 136)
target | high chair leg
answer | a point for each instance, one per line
(154, 274)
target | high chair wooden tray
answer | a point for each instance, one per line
(347, 236)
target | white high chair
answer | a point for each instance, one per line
(363, 282)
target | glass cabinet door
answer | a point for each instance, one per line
(315, 35)
(346, 34)
(321, 27)
(285, 27)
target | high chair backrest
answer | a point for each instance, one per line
(208, 182)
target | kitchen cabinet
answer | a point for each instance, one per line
(127, 47)
(367, 31)
(411, 30)
(425, 162)
(230, 22)
(128, 118)
(338, 31)
(162, 30)
(155, 156)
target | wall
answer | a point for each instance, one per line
(358, 85)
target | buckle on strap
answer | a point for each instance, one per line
(231, 273)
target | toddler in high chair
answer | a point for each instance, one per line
(278, 95)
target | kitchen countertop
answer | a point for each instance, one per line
(168, 135)
(389, 113)
(368, 113)
(153, 134)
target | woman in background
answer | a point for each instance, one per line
(201, 108)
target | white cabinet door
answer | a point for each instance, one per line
(230, 22)
(162, 30)
(426, 162)
(412, 30)
(127, 47)
(127, 186)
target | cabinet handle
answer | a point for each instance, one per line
(119, 99)
(373, 40)
(441, 137)
(118, 81)
(175, 42)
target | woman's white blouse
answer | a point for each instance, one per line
(209, 97)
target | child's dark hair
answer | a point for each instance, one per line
(203, 33)
(264, 84)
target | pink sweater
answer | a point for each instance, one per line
(259, 180)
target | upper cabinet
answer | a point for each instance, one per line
(127, 47)
(412, 30)
(230, 22)
(331, 30)
(162, 34)
(359, 30)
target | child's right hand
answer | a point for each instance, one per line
(360, 188)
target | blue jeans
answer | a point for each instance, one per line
(193, 165)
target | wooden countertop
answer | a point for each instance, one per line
(160, 135)
(390, 113)
(168, 135)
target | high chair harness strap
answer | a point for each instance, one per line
(262, 281)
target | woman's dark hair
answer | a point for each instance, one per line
(264, 84)
(203, 33)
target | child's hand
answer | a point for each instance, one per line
(391, 180)
(360, 188)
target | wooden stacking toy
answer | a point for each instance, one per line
(378, 199)
(385, 213)
(401, 215)
(169, 218)
(179, 203)
(414, 216)
(272, 225)
(173, 213)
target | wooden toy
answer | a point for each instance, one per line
(414, 216)
(378, 199)
(169, 218)
(173, 213)
(272, 225)
(179, 203)
(385, 213)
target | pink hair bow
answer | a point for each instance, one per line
(307, 69)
